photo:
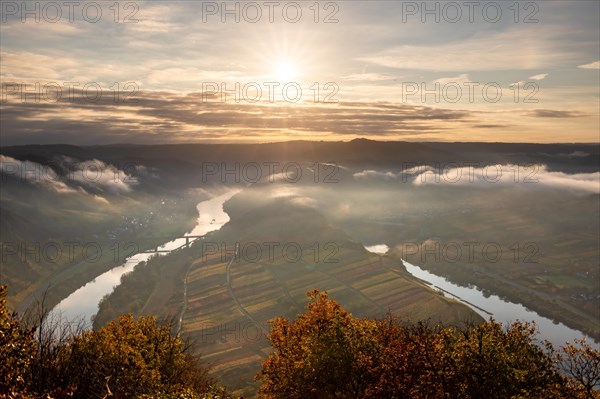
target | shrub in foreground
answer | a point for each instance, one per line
(327, 353)
(127, 358)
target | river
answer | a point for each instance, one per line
(82, 304)
(501, 310)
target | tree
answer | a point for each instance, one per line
(403, 361)
(490, 361)
(327, 353)
(417, 360)
(17, 352)
(131, 358)
(581, 363)
(127, 358)
(324, 353)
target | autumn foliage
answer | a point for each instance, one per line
(327, 353)
(324, 353)
(17, 352)
(127, 358)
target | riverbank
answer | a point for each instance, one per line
(498, 308)
(84, 302)
(111, 254)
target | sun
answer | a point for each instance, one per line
(286, 71)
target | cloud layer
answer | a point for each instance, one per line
(88, 177)
(490, 176)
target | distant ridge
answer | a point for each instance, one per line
(359, 153)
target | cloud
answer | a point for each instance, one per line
(277, 177)
(166, 117)
(53, 31)
(371, 174)
(105, 177)
(368, 77)
(42, 68)
(374, 174)
(591, 65)
(535, 176)
(522, 83)
(283, 191)
(101, 199)
(378, 248)
(460, 79)
(550, 113)
(507, 175)
(156, 19)
(34, 173)
(481, 52)
(578, 154)
(491, 126)
(81, 177)
(541, 76)
(304, 201)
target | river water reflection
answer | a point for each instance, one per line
(82, 304)
(492, 305)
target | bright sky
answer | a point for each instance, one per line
(183, 71)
